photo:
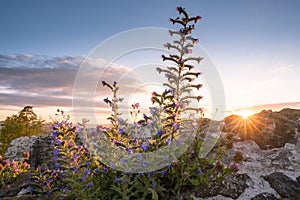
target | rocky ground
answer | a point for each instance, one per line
(270, 168)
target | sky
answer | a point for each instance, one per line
(254, 46)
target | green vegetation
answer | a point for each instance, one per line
(25, 123)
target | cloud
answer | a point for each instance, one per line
(44, 81)
(286, 68)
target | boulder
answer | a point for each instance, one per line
(39, 147)
(286, 187)
(268, 129)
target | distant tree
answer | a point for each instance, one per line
(25, 123)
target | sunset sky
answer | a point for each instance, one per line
(254, 46)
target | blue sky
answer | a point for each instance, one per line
(254, 44)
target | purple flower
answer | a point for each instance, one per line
(121, 121)
(186, 175)
(90, 185)
(83, 178)
(55, 152)
(163, 172)
(200, 171)
(104, 83)
(117, 180)
(160, 132)
(113, 166)
(57, 166)
(168, 142)
(106, 100)
(234, 166)
(115, 83)
(88, 164)
(151, 174)
(105, 170)
(176, 127)
(121, 131)
(73, 169)
(87, 172)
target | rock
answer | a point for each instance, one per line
(268, 129)
(264, 196)
(39, 147)
(12, 189)
(233, 186)
(286, 187)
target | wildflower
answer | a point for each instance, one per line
(176, 127)
(74, 169)
(199, 171)
(104, 83)
(105, 170)
(121, 131)
(145, 116)
(106, 100)
(234, 166)
(160, 132)
(26, 165)
(90, 185)
(87, 172)
(68, 188)
(137, 105)
(115, 83)
(57, 166)
(16, 170)
(154, 94)
(186, 175)
(83, 178)
(55, 152)
(121, 121)
(151, 174)
(168, 142)
(163, 172)
(24, 153)
(113, 166)
(14, 163)
(117, 180)
(88, 164)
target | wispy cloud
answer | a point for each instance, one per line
(286, 68)
(44, 81)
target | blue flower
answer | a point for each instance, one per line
(83, 178)
(57, 166)
(153, 111)
(176, 127)
(121, 131)
(55, 152)
(151, 174)
(121, 121)
(88, 164)
(113, 166)
(105, 170)
(200, 171)
(163, 172)
(117, 180)
(55, 133)
(87, 172)
(73, 169)
(160, 132)
(90, 185)
(168, 142)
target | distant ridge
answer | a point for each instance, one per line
(273, 106)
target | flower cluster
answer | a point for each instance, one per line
(9, 170)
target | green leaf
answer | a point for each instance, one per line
(154, 194)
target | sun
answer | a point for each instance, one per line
(245, 114)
